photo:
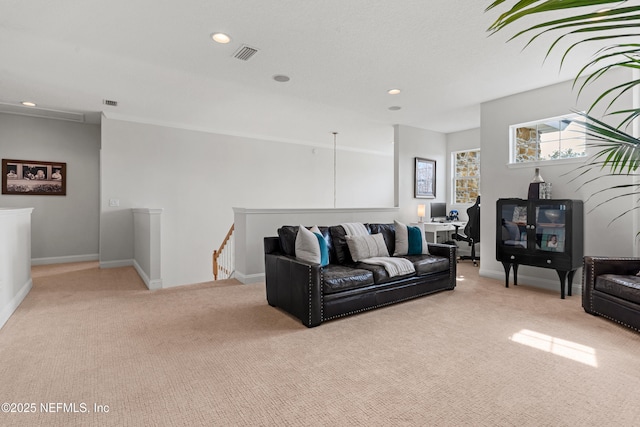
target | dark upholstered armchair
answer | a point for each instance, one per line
(611, 289)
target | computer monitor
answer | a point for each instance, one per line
(438, 211)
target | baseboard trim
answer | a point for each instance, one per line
(536, 282)
(152, 285)
(116, 263)
(65, 259)
(12, 306)
(249, 278)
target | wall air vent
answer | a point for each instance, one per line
(110, 102)
(47, 113)
(245, 52)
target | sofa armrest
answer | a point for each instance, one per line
(595, 266)
(451, 253)
(294, 286)
(272, 245)
(441, 249)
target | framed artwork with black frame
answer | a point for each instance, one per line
(425, 178)
(34, 177)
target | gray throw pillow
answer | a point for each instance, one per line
(363, 247)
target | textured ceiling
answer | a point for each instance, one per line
(157, 60)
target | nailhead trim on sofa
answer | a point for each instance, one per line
(593, 274)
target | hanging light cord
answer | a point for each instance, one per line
(335, 134)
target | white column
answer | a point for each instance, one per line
(15, 259)
(147, 246)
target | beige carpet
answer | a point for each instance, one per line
(217, 354)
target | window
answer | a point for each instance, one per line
(550, 139)
(466, 176)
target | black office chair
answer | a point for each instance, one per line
(471, 231)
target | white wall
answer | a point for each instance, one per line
(409, 143)
(500, 181)
(198, 177)
(64, 228)
(15, 259)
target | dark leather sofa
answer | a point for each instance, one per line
(611, 289)
(315, 294)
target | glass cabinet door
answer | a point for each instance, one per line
(513, 224)
(550, 227)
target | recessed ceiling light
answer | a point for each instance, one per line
(220, 38)
(28, 104)
(395, 108)
(393, 91)
(281, 78)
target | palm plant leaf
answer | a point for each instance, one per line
(592, 39)
(611, 199)
(528, 7)
(629, 58)
(616, 150)
(620, 150)
(632, 114)
(595, 20)
(607, 24)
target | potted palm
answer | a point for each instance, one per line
(612, 27)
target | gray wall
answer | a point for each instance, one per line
(500, 180)
(64, 228)
(411, 142)
(198, 177)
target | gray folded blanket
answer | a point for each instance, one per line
(393, 266)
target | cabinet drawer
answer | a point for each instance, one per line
(557, 262)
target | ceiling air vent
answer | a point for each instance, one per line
(245, 52)
(110, 102)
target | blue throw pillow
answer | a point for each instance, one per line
(324, 250)
(415, 240)
(402, 240)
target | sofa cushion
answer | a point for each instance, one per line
(369, 246)
(311, 246)
(287, 236)
(428, 264)
(337, 278)
(388, 232)
(380, 274)
(621, 286)
(409, 240)
(338, 237)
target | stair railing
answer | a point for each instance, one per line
(224, 258)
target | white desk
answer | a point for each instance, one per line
(437, 227)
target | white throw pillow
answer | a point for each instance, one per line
(363, 247)
(309, 246)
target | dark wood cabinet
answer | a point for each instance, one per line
(545, 233)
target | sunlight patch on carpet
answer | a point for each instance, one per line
(568, 349)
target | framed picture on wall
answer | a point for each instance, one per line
(34, 177)
(425, 178)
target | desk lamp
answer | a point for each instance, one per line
(421, 212)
